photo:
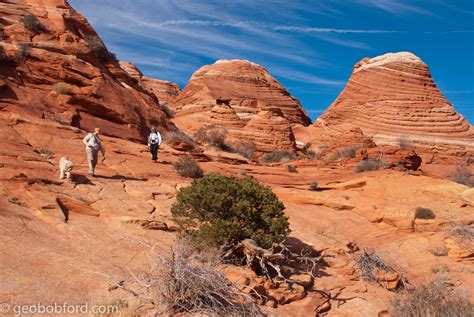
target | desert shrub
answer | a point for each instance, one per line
(62, 88)
(424, 213)
(217, 210)
(277, 156)
(188, 167)
(291, 168)
(311, 155)
(179, 137)
(439, 250)
(462, 175)
(188, 281)
(16, 201)
(213, 135)
(368, 165)
(434, 299)
(404, 143)
(368, 262)
(313, 185)
(247, 149)
(166, 109)
(346, 152)
(464, 234)
(349, 151)
(31, 22)
(470, 160)
(440, 269)
(21, 53)
(44, 151)
(98, 48)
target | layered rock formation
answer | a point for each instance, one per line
(269, 130)
(53, 65)
(248, 86)
(164, 91)
(243, 97)
(392, 95)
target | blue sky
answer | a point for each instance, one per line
(309, 46)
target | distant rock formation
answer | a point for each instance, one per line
(165, 91)
(244, 98)
(53, 65)
(248, 87)
(394, 95)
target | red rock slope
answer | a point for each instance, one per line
(47, 42)
(249, 87)
(392, 95)
(165, 91)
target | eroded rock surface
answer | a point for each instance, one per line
(61, 70)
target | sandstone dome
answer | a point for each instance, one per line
(248, 86)
(392, 95)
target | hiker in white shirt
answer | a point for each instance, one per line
(154, 142)
(93, 146)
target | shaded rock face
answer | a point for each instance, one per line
(164, 91)
(392, 95)
(48, 42)
(248, 86)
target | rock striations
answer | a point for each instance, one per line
(53, 65)
(248, 86)
(165, 91)
(243, 97)
(392, 95)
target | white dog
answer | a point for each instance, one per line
(65, 167)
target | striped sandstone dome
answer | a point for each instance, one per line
(248, 86)
(394, 94)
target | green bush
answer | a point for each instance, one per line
(277, 156)
(424, 213)
(217, 210)
(434, 299)
(187, 167)
(31, 22)
(62, 89)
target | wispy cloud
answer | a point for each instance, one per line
(304, 29)
(396, 6)
(303, 77)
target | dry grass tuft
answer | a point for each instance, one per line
(277, 156)
(435, 299)
(188, 282)
(188, 167)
